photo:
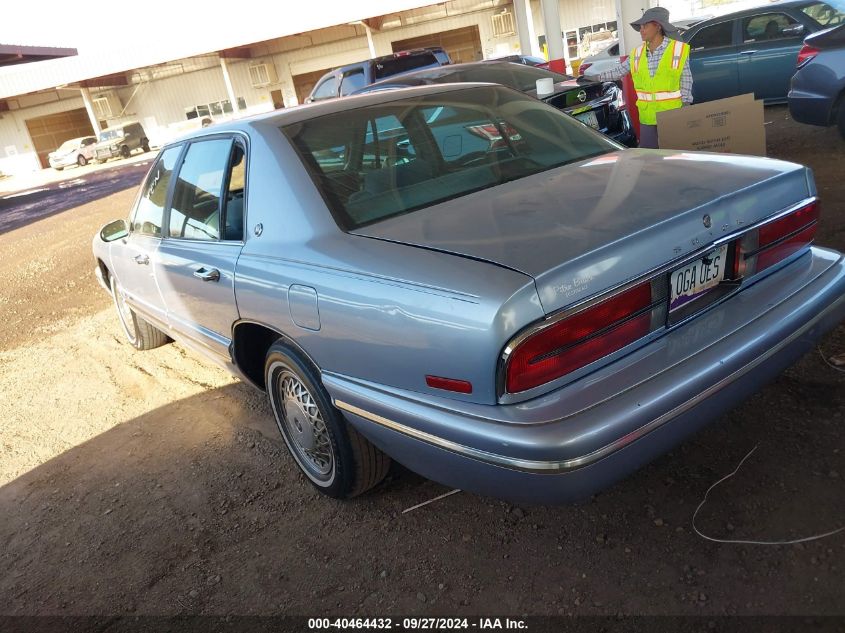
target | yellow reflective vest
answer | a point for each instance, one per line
(663, 91)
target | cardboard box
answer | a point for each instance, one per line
(733, 125)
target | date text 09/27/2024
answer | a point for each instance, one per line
(416, 624)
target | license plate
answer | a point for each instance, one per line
(696, 278)
(589, 118)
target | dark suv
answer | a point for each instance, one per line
(120, 140)
(347, 79)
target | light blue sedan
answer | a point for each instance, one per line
(467, 280)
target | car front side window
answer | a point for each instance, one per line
(714, 36)
(195, 212)
(147, 218)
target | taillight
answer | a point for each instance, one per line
(775, 241)
(581, 339)
(806, 53)
(584, 67)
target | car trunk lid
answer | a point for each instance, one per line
(583, 228)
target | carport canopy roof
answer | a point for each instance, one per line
(11, 54)
(158, 40)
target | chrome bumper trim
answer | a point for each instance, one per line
(553, 467)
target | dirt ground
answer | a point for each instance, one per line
(153, 483)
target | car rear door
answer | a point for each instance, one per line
(767, 54)
(203, 240)
(133, 258)
(713, 61)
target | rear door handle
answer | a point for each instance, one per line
(207, 275)
(142, 259)
(747, 52)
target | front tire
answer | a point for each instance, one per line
(338, 460)
(81, 160)
(140, 334)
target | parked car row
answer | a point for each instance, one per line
(595, 104)
(118, 141)
(467, 280)
(754, 50)
(352, 77)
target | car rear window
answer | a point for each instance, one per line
(403, 64)
(379, 161)
(824, 14)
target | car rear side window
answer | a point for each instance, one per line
(403, 63)
(413, 153)
(768, 26)
(824, 14)
(714, 36)
(148, 214)
(195, 212)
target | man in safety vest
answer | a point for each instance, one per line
(660, 70)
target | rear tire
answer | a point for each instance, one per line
(140, 334)
(338, 460)
(81, 160)
(145, 145)
(124, 152)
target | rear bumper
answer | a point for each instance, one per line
(577, 440)
(812, 109)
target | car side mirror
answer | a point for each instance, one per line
(794, 30)
(114, 231)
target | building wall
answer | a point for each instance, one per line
(159, 104)
(17, 155)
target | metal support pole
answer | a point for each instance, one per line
(370, 39)
(231, 91)
(89, 108)
(528, 44)
(554, 36)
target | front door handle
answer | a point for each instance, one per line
(207, 275)
(747, 52)
(142, 259)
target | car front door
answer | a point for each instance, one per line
(713, 62)
(770, 45)
(203, 239)
(133, 257)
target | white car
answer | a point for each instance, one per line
(75, 151)
(602, 61)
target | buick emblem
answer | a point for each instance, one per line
(707, 221)
(582, 96)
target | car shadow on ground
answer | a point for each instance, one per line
(196, 508)
(24, 207)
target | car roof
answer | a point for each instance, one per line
(426, 73)
(771, 6)
(396, 55)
